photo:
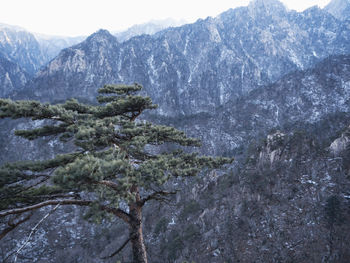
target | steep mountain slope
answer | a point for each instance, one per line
(197, 67)
(90, 62)
(22, 55)
(52, 45)
(31, 51)
(299, 99)
(286, 201)
(21, 47)
(339, 8)
(182, 74)
(12, 77)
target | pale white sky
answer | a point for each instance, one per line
(83, 17)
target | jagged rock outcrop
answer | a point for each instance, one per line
(22, 55)
(88, 61)
(341, 144)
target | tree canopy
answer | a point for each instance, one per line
(116, 158)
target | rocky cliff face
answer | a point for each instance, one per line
(300, 99)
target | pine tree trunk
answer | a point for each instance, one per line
(135, 232)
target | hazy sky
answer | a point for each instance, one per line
(83, 17)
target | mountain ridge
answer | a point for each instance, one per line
(339, 9)
(213, 60)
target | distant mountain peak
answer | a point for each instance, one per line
(266, 3)
(266, 6)
(339, 9)
(101, 33)
(148, 28)
(11, 27)
(100, 36)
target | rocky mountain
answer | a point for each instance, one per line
(22, 54)
(286, 200)
(52, 45)
(299, 99)
(339, 8)
(198, 67)
(13, 77)
(31, 51)
(21, 47)
(285, 203)
(149, 28)
(286, 197)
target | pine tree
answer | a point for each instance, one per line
(115, 159)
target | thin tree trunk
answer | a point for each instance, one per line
(135, 231)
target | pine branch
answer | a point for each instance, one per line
(62, 195)
(34, 110)
(44, 179)
(156, 196)
(42, 131)
(120, 89)
(109, 184)
(10, 177)
(45, 203)
(135, 115)
(116, 211)
(39, 166)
